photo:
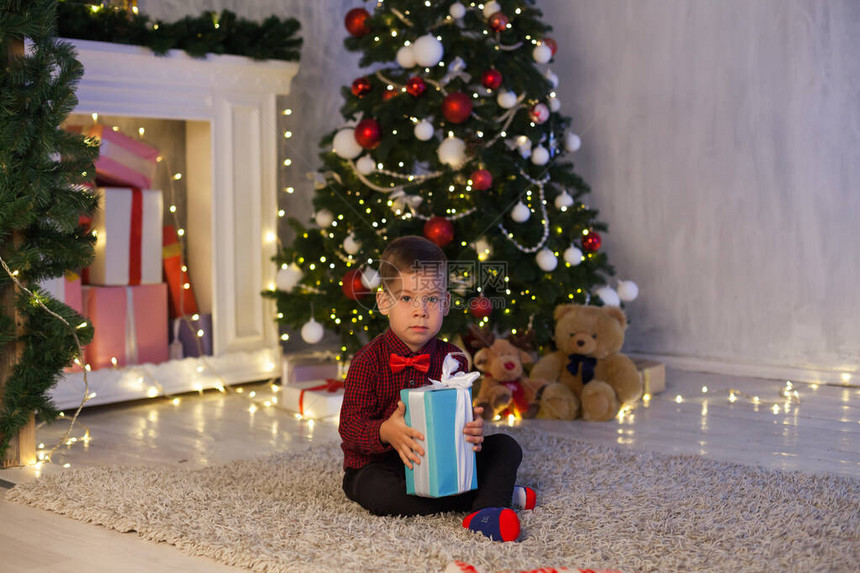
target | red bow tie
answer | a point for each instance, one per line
(399, 363)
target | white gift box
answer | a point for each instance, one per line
(306, 366)
(314, 399)
(128, 227)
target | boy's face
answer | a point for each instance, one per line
(415, 305)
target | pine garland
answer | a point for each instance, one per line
(209, 33)
(42, 172)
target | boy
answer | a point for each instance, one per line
(376, 440)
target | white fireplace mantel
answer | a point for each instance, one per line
(229, 104)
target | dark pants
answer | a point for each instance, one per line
(380, 487)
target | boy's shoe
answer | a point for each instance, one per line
(497, 523)
(524, 497)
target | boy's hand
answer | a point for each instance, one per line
(474, 430)
(401, 437)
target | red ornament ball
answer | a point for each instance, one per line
(439, 230)
(551, 44)
(352, 286)
(498, 21)
(356, 22)
(415, 86)
(360, 87)
(368, 133)
(480, 307)
(491, 79)
(457, 107)
(388, 94)
(591, 242)
(481, 179)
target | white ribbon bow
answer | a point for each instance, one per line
(456, 69)
(452, 379)
(401, 197)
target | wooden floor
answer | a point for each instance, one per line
(818, 433)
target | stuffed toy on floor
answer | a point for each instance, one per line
(588, 360)
(506, 390)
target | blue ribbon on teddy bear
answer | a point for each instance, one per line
(587, 362)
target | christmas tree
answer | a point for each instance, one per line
(42, 198)
(454, 133)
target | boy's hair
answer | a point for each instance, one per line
(410, 254)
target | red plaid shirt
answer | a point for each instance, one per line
(372, 391)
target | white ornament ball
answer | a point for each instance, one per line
(405, 57)
(457, 10)
(552, 78)
(351, 245)
(554, 104)
(572, 256)
(520, 213)
(627, 290)
(542, 54)
(563, 200)
(572, 142)
(452, 151)
(424, 130)
(491, 8)
(506, 100)
(365, 165)
(540, 113)
(324, 218)
(345, 145)
(608, 296)
(540, 155)
(546, 260)
(428, 51)
(289, 277)
(312, 332)
(370, 278)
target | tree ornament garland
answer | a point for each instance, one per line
(439, 230)
(356, 22)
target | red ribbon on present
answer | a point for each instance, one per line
(330, 385)
(136, 239)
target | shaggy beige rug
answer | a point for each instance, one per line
(598, 507)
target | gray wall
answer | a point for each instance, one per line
(722, 141)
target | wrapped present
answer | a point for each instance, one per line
(185, 333)
(66, 289)
(440, 412)
(181, 301)
(130, 325)
(123, 160)
(306, 366)
(653, 375)
(314, 399)
(128, 237)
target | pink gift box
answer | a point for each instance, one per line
(130, 325)
(123, 160)
(128, 227)
(66, 289)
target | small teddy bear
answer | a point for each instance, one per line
(588, 361)
(504, 387)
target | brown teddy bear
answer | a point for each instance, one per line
(503, 387)
(588, 361)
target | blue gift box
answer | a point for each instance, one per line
(448, 465)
